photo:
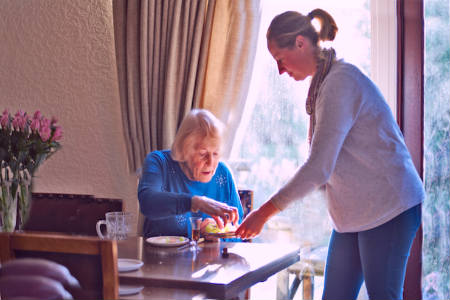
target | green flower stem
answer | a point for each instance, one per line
(24, 203)
(9, 208)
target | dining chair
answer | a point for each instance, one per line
(311, 264)
(89, 259)
(246, 197)
(69, 213)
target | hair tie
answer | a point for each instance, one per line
(310, 16)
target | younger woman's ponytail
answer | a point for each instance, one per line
(328, 27)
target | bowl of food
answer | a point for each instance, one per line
(211, 230)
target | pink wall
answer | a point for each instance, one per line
(58, 56)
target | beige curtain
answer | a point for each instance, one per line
(161, 51)
(230, 61)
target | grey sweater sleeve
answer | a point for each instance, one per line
(337, 107)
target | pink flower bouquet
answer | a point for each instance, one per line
(25, 143)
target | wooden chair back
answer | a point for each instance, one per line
(91, 260)
(246, 197)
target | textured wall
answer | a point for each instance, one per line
(58, 56)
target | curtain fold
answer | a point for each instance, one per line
(161, 49)
(230, 62)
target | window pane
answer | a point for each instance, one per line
(272, 135)
(436, 210)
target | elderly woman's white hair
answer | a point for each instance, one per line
(198, 125)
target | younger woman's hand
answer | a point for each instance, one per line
(255, 220)
(251, 226)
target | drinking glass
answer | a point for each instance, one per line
(117, 225)
(195, 227)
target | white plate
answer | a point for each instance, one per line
(167, 241)
(128, 264)
(129, 289)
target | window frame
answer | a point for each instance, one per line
(410, 113)
(383, 14)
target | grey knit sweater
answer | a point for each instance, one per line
(358, 153)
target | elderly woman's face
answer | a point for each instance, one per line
(202, 162)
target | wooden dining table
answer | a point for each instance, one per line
(217, 270)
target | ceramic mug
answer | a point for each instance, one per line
(117, 225)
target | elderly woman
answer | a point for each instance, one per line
(188, 180)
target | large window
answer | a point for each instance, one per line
(271, 141)
(436, 209)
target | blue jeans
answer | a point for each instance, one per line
(378, 256)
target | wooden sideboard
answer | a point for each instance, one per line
(69, 213)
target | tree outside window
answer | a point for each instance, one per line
(436, 208)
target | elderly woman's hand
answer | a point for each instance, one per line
(220, 212)
(203, 231)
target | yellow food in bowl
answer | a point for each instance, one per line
(212, 228)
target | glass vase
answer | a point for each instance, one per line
(8, 203)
